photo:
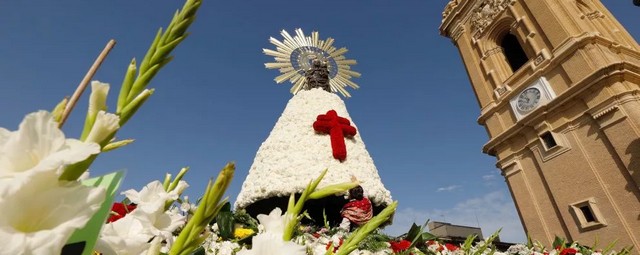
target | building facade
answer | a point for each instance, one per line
(558, 85)
(458, 234)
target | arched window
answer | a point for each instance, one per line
(513, 52)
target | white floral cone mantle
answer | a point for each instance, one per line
(294, 153)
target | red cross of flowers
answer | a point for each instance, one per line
(337, 127)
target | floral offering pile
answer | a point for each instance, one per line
(51, 206)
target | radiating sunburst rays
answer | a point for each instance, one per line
(294, 55)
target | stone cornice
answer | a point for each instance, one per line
(455, 10)
(485, 13)
(619, 68)
(565, 49)
(478, 13)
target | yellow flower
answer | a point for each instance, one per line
(242, 232)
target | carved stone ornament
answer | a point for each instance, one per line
(501, 90)
(539, 59)
(588, 10)
(492, 51)
(457, 32)
(484, 14)
(595, 15)
(449, 8)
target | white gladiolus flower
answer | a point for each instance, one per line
(105, 125)
(40, 212)
(150, 197)
(159, 223)
(182, 185)
(274, 222)
(124, 236)
(39, 145)
(40, 216)
(130, 235)
(270, 241)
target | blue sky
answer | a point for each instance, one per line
(216, 102)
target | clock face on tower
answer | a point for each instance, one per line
(528, 99)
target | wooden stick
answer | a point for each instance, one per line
(85, 81)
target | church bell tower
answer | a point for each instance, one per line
(558, 85)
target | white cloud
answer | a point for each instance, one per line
(489, 177)
(448, 188)
(494, 210)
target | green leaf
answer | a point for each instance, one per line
(426, 236)
(191, 235)
(117, 144)
(352, 242)
(133, 106)
(199, 251)
(609, 247)
(324, 218)
(333, 190)
(413, 232)
(90, 232)
(225, 223)
(125, 88)
(559, 242)
(466, 246)
(178, 178)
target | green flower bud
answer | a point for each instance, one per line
(97, 102)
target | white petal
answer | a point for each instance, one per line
(13, 244)
(72, 152)
(182, 185)
(40, 145)
(169, 222)
(37, 137)
(275, 221)
(105, 125)
(98, 97)
(151, 198)
(4, 136)
(271, 244)
(125, 236)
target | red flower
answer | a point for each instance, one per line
(450, 247)
(119, 210)
(568, 251)
(399, 246)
